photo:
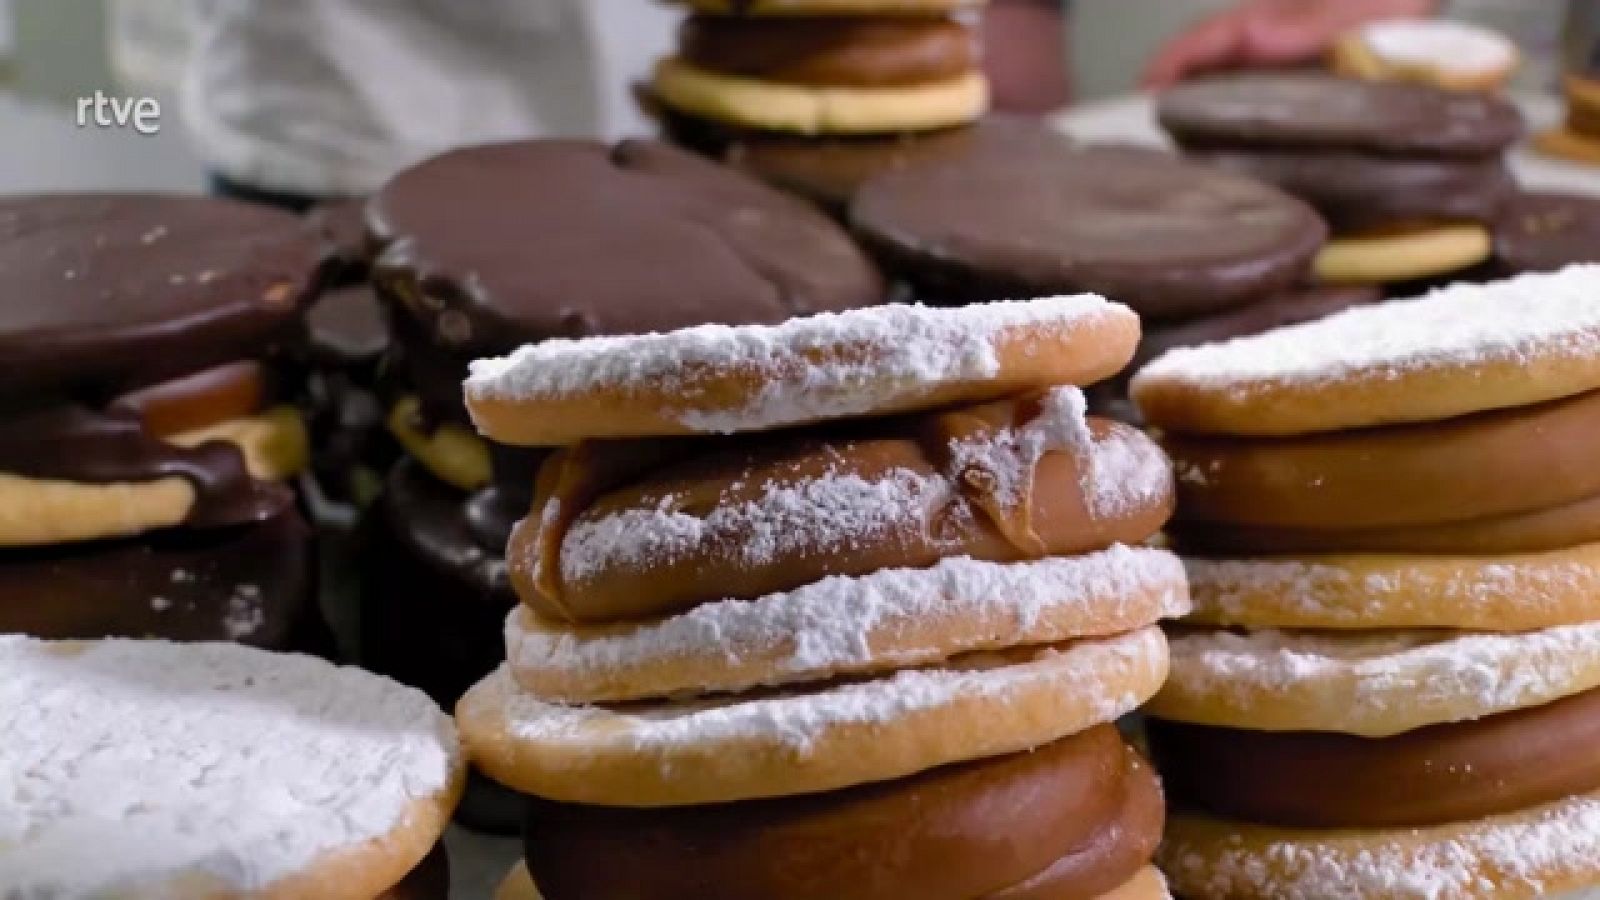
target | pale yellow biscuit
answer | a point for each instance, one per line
(36, 511)
(1519, 592)
(274, 442)
(803, 109)
(1541, 852)
(725, 748)
(890, 619)
(1402, 256)
(1371, 683)
(453, 454)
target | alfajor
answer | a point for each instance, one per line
(145, 769)
(1392, 670)
(145, 438)
(1408, 175)
(865, 639)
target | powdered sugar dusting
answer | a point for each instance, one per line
(794, 720)
(830, 625)
(1523, 852)
(129, 763)
(1393, 670)
(1008, 456)
(1127, 472)
(1444, 43)
(888, 352)
(1244, 591)
(819, 515)
(1548, 314)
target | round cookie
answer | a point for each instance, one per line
(620, 535)
(1321, 113)
(717, 379)
(1563, 143)
(972, 830)
(117, 291)
(832, 52)
(1445, 53)
(282, 776)
(720, 749)
(1171, 239)
(1537, 853)
(801, 109)
(888, 619)
(830, 7)
(1391, 255)
(1459, 350)
(1498, 593)
(1373, 684)
(1543, 232)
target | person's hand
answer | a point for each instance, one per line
(1268, 33)
(1024, 52)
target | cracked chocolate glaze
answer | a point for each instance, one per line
(825, 51)
(72, 443)
(251, 583)
(1054, 823)
(109, 292)
(1001, 504)
(490, 247)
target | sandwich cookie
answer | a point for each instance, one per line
(1407, 175)
(283, 776)
(719, 379)
(1172, 240)
(1578, 139)
(830, 7)
(1445, 53)
(1457, 351)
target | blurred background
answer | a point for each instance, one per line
(52, 51)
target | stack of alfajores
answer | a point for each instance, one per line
(1392, 519)
(844, 607)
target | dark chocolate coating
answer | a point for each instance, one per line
(342, 227)
(1433, 775)
(346, 328)
(430, 880)
(254, 584)
(829, 171)
(494, 246)
(76, 444)
(1169, 238)
(1542, 232)
(1319, 111)
(952, 833)
(114, 291)
(1354, 191)
(827, 51)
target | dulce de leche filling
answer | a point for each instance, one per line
(975, 830)
(1430, 776)
(1474, 467)
(627, 531)
(853, 51)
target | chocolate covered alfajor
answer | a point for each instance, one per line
(841, 607)
(487, 248)
(145, 437)
(1408, 176)
(1389, 685)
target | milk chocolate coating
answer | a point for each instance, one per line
(1543, 232)
(250, 583)
(1518, 460)
(829, 171)
(110, 292)
(77, 444)
(490, 247)
(845, 51)
(430, 880)
(1169, 238)
(1431, 776)
(1054, 517)
(953, 833)
(434, 594)
(1318, 111)
(1356, 192)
